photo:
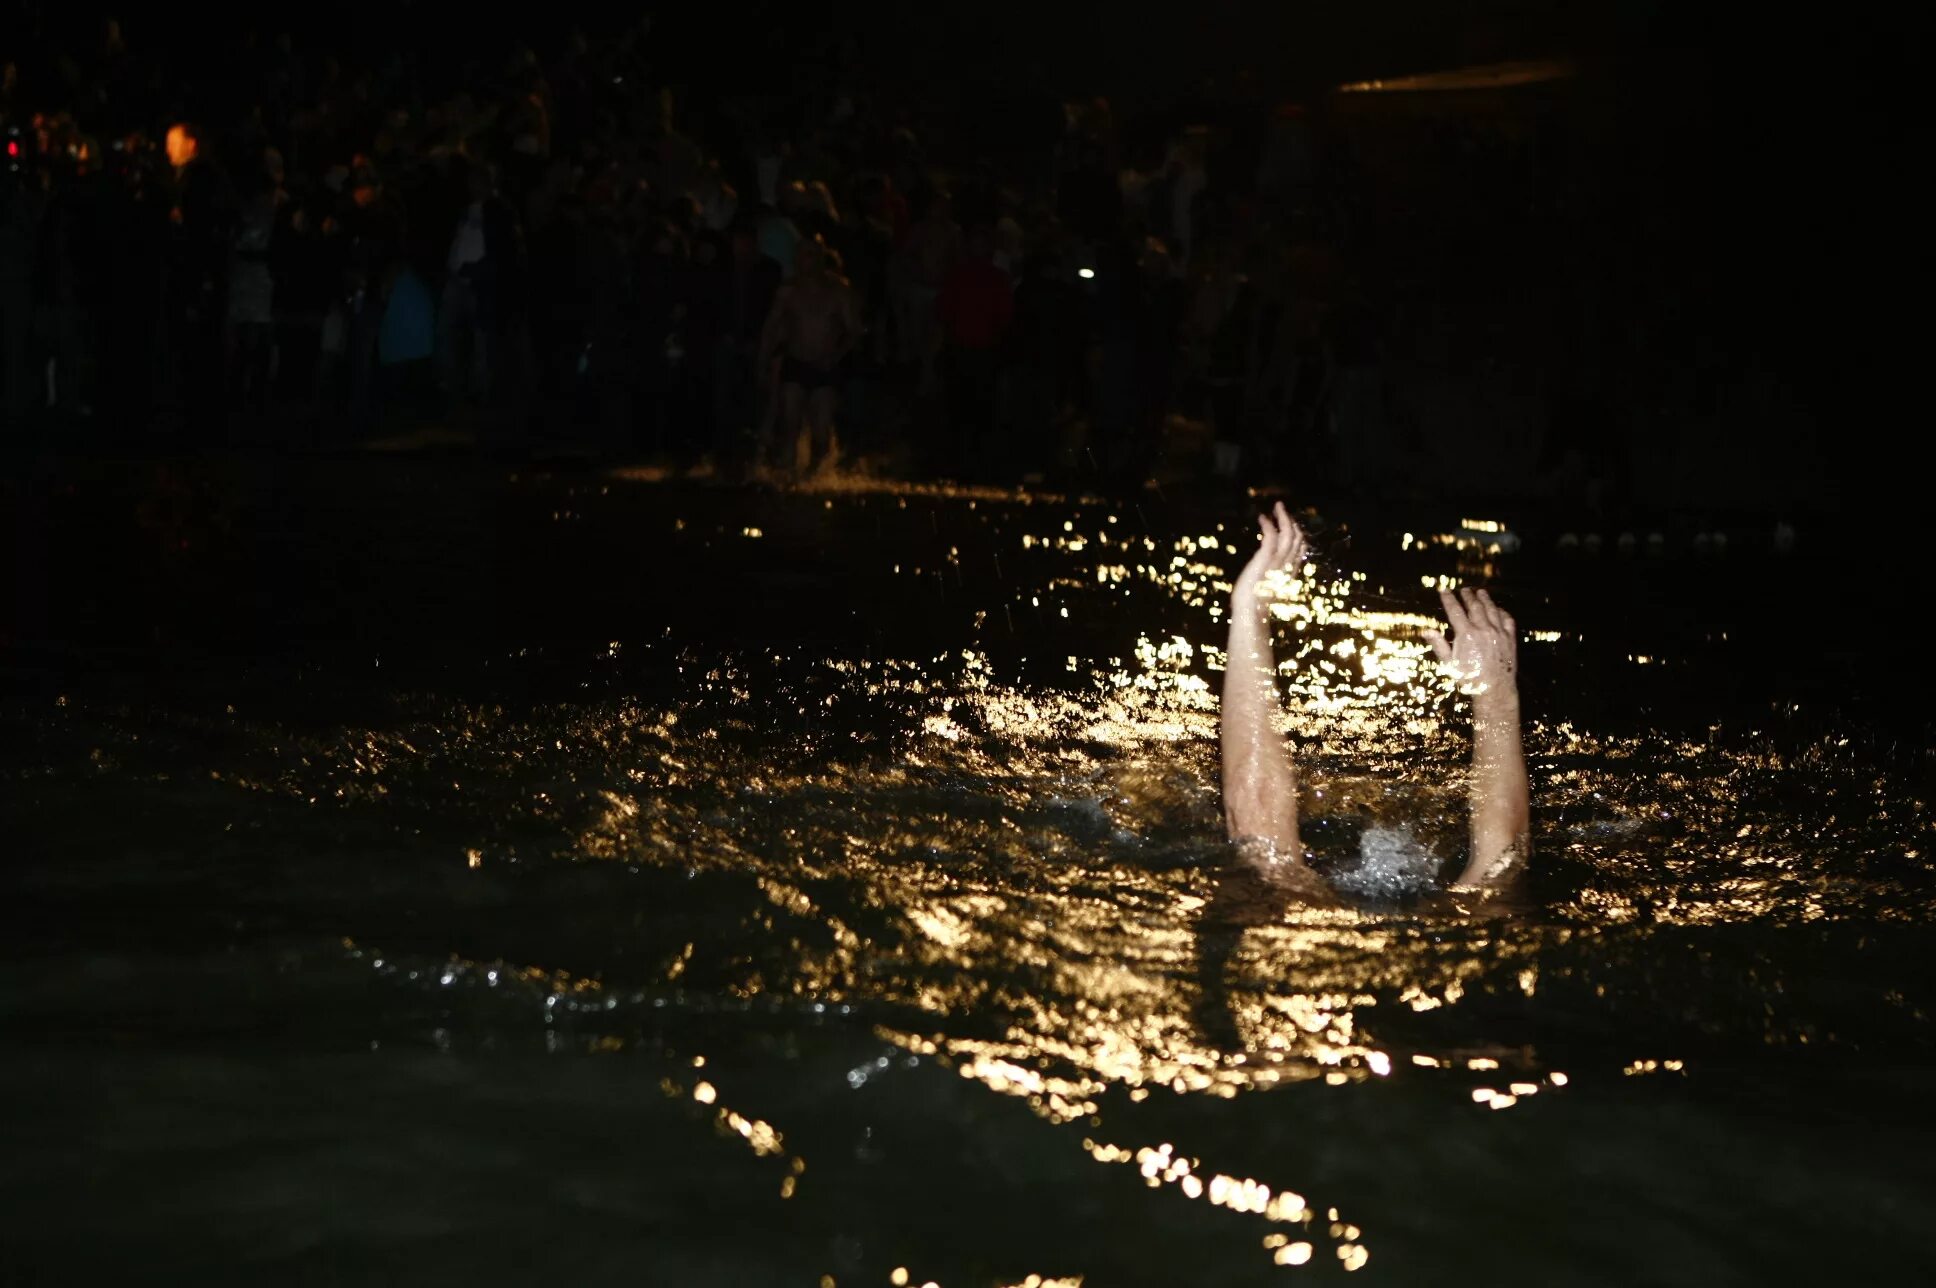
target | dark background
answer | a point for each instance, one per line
(1776, 146)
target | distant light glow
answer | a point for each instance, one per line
(1489, 76)
(182, 146)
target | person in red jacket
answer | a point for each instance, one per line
(976, 305)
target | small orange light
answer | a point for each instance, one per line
(182, 146)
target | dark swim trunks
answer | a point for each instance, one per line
(807, 375)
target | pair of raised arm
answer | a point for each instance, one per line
(1259, 778)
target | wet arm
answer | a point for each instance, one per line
(1259, 778)
(1501, 811)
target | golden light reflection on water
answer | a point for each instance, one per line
(1021, 882)
(1355, 670)
(1161, 1166)
(1116, 953)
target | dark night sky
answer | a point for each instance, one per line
(1074, 46)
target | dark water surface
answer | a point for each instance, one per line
(431, 872)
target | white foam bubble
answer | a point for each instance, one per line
(1391, 862)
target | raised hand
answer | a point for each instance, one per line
(1259, 780)
(1282, 548)
(1482, 656)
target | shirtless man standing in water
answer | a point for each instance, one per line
(1259, 780)
(812, 326)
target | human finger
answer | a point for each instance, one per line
(1294, 548)
(1440, 648)
(1489, 611)
(1479, 609)
(1284, 526)
(1454, 613)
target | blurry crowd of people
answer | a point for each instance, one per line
(575, 240)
